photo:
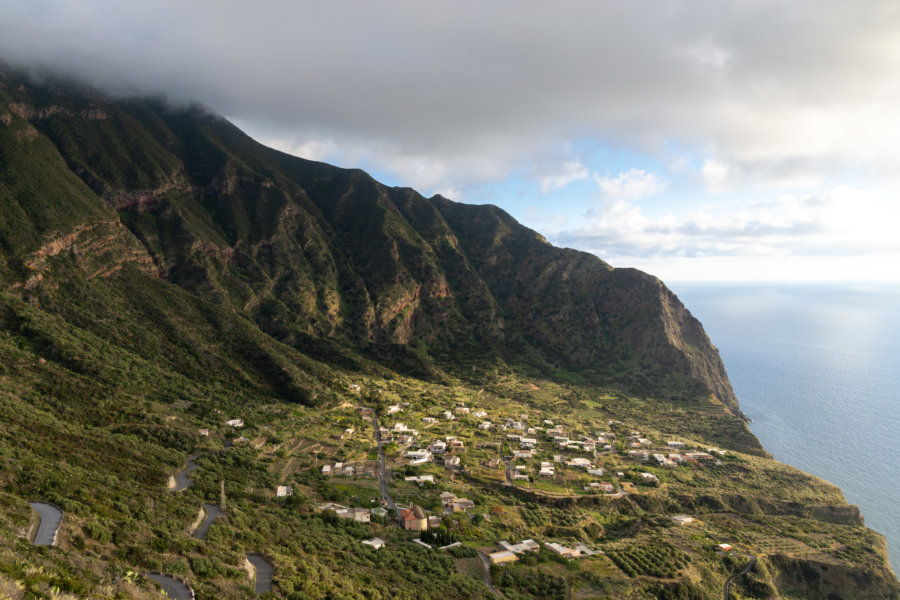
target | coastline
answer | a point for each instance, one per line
(810, 366)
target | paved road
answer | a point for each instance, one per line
(746, 568)
(51, 517)
(264, 571)
(382, 469)
(182, 481)
(486, 563)
(174, 588)
(212, 513)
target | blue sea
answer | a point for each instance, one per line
(817, 369)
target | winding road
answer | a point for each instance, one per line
(51, 517)
(743, 571)
(173, 588)
(182, 481)
(212, 513)
(264, 571)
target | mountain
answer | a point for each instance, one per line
(159, 267)
(313, 253)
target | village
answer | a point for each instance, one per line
(429, 453)
(504, 485)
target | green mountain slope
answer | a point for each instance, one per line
(161, 272)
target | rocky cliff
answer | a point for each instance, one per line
(326, 260)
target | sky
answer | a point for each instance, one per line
(697, 140)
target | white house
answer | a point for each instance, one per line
(649, 478)
(236, 423)
(420, 479)
(284, 490)
(521, 547)
(376, 543)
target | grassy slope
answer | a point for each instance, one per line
(119, 342)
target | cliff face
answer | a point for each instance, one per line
(325, 260)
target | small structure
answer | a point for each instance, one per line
(521, 547)
(675, 444)
(683, 519)
(420, 479)
(419, 456)
(361, 515)
(580, 462)
(451, 461)
(394, 408)
(326, 469)
(236, 423)
(663, 461)
(726, 548)
(414, 518)
(697, 456)
(376, 543)
(546, 470)
(459, 505)
(649, 478)
(502, 556)
(578, 551)
(522, 454)
(204, 432)
(284, 490)
(601, 486)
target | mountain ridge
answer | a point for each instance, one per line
(161, 271)
(388, 285)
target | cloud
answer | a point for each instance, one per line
(844, 221)
(432, 90)
(715, 174)
(571, 171)
(630, 185)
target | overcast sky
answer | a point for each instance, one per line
(741, 140)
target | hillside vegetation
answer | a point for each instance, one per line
(162, 273)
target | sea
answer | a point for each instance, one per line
(817, 369)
